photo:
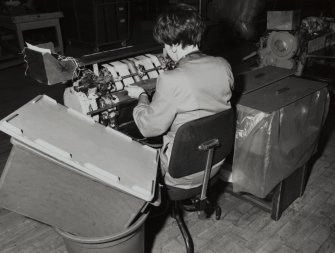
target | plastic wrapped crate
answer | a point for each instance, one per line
(277, 132)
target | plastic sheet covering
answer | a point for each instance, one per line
(270, 146)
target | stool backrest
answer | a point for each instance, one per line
(186, 157)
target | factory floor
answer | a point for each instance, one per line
(308, 225)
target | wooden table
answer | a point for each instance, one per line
(22, 23)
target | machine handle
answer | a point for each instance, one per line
(282, 90)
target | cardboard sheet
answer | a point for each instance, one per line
(280, 94)
(253, 80)
(38, 186)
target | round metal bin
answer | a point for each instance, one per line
(130, 240)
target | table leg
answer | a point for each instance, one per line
(19, 36)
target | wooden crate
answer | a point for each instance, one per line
(283, 20)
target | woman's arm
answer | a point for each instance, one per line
(155, 118)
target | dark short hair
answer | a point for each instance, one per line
(180, 24)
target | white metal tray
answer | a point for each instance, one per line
(75, 139)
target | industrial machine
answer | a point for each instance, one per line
(289, 40)
(98, 82)
(279, 50)
(101, 95)
(276, 132)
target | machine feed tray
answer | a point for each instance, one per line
(84, 146)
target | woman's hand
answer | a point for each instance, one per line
(134, 91)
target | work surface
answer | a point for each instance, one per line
(308, 224)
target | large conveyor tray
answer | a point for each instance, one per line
(85, 146)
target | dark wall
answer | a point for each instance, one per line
(247, 18)
(46, 5)
(309, 7)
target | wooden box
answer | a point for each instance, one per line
(283, 20)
